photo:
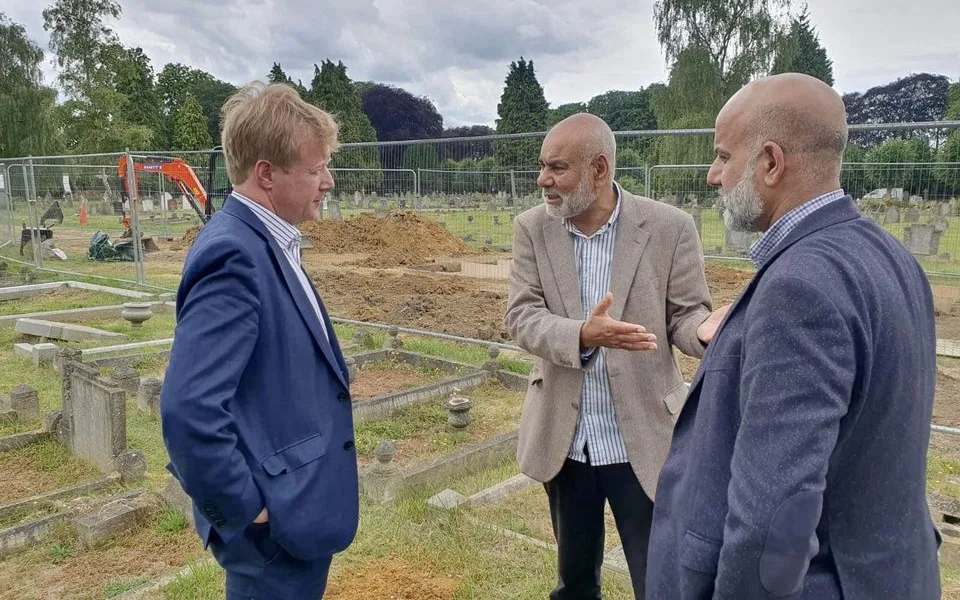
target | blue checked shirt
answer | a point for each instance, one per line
(288, 238)
(597, 427)
(763, 247)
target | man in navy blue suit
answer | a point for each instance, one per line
(797, 468)
(255, 406)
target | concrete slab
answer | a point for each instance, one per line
(91, 354)
(65, 331)
(19, 292)
(502, 490)
(81, 315)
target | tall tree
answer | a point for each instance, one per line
(190, 127)
(738, 36)
(83, 42)
(799, 51)
(135, 80)
(522, 109)
(555, 115)
(916, 98)
(27, 123)
(953, 103)
(176, 81)
(624, 110)
(332, 90)
(277, 75)
(397, 114)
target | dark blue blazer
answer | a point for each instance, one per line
(797, 468)
(255, 405)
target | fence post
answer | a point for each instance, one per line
(646, 177)
(513, 184)
(135, 219)
(29, 180)
(6, 187)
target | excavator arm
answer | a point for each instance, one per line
(177, 172)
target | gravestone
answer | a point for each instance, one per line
(737, 242)
(333, 210)
(940, 224)
(946, 209)
(911, 216)
(417, 203)
(148, 396)
(95, 418)
(127, 379)
(22, 405)
(384, 204)
(892, 216)
(922, 240)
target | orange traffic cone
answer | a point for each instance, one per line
(83, 212)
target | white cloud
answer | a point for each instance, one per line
(457, 54)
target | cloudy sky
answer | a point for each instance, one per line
(457, 54)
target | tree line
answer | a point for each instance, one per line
(108, 97)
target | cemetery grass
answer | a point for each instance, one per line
(61, 568)
(421, 432)
(38, 468)
(63, 299)
(407, 551)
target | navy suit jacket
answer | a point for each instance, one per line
(255, 405)
(797, 468)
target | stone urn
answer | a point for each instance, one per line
(136, 312)
(459, 409)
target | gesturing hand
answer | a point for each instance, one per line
(263, 517)
(601, 329)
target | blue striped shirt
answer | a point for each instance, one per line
(288, 238)
(597, 427)
(761, 249)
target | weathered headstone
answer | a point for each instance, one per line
(96, 417)
(333, 210)
(131, 465)
(128, 379)
(24, 401)
(148, 396)
(922, 240)
(737, 242)
(940, 224)
(912, 215)
(891, 216)
(945, 209)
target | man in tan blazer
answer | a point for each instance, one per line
(603, 285)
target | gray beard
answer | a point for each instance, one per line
(742, 206)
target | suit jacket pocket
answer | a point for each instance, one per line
(699, 558)
(699, 554)
(295, 455)
(675, 398)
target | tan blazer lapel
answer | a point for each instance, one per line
(627, 251)
(563, 263)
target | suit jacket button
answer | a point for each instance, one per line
(348, 445)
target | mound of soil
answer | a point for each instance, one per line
(402, 238)
(186, 241)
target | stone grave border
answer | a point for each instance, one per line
(614, 563)
(18, 292)
(461, 376)
(83, 315)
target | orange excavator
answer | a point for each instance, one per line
(177, 172)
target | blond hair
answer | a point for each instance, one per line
(269, 122)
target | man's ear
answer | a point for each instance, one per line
(601, 168)
(263, 172)
(774, 163)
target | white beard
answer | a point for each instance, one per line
(573, 204)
